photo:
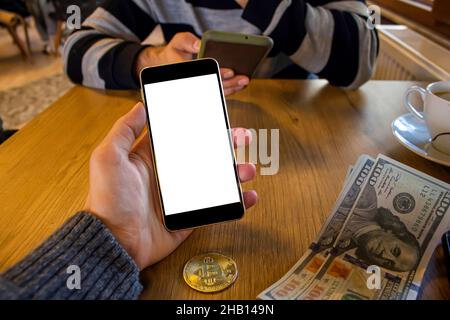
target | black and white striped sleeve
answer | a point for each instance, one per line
(102, 53)
(330, 40)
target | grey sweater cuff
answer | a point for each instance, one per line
(106, 269)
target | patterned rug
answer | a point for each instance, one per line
(20, 105)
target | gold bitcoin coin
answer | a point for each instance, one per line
(210, 272)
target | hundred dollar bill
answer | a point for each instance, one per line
(348, 175)
(299, 276)
(393, 228)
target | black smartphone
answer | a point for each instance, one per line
(446, 247)
(191, 143)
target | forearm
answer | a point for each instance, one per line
(331, 41)
(103, 53)
(97, 61)
(106, 270)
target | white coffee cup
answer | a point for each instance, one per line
(436, 113)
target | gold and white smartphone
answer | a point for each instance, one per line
(192, 148)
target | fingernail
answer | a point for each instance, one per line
(197, 45)
(228, 74)
(243, 82)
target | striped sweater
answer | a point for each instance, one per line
(325, 38)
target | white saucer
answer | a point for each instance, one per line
(413, 134)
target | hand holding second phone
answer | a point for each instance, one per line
(183, 47)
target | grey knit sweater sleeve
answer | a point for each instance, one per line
(82, 246)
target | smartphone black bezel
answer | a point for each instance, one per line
(202, 217)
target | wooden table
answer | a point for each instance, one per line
(44, 177)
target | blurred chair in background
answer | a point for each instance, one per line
(12, 15)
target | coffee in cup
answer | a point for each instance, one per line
(443, 95)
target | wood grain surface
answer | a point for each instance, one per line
(323, 129)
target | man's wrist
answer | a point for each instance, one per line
(108, 271)
(147, 58)
(117, 234)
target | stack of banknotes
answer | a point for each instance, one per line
(378, 239)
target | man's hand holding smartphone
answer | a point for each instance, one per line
(183, 47)
(123, 192)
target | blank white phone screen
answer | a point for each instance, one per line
(191, 144)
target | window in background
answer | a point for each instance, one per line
(424, 2)
(433, 14)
